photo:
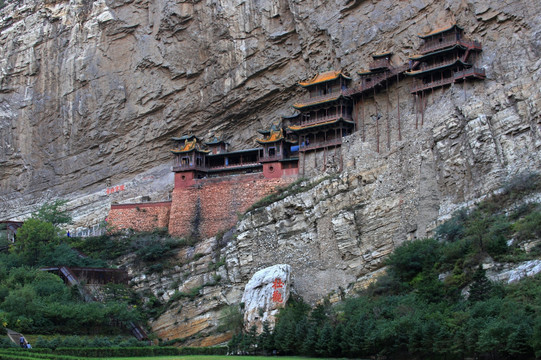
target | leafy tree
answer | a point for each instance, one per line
(309, 345)
(231, 319)
(54, 213)
(34, 238)
(4, 243)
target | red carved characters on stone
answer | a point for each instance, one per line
(276, 295)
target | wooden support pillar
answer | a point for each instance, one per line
(416, 110)
(362, 117)
(325, 152)
(398, 106)
(377, 121)
(388, 118)
(464, 87)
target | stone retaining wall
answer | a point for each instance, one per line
(213, 205)
(141, 216)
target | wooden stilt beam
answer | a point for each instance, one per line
(388, 118)
(416, 110)
(422, 108)
(362, 117)
(398, 106)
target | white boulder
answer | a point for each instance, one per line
(267, 291)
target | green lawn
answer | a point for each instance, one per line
(214, 357)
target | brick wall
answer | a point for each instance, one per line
(141, 217)
(212, 205)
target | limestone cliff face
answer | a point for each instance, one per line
(91, 92)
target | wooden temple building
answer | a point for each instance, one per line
(279, 155)
(327, 113)
(445, 57)
(325, 116)
(206, 198)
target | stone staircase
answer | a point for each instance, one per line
(71, 280)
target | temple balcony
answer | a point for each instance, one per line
(431, 85)
(450, 41)
(379, 64)
(437, 65)
(474, 72)
(324, 119)
(321, 144)
(314, 100)
(177, 168)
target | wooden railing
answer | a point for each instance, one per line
(321, 144)
(324, 119)
(189, 167)
(377, 80)
(435, 46)
(232, 166)
(433, 84)
(316, 99)
(479, 72)
(271, 158)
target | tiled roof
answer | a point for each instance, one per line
(440, 30)
(301, 127)
(323, 77)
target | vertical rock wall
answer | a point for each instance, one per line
(90, 92)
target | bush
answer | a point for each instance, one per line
(522, 184)
(529, 227)
(412, 257)
(453, 229)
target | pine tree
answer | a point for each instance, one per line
(325, 341)
(265, 341)
(309, 344)
(481, 287)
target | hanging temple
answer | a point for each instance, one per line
(315, 131)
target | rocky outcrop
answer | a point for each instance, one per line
(510, 273)
(265, 294)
